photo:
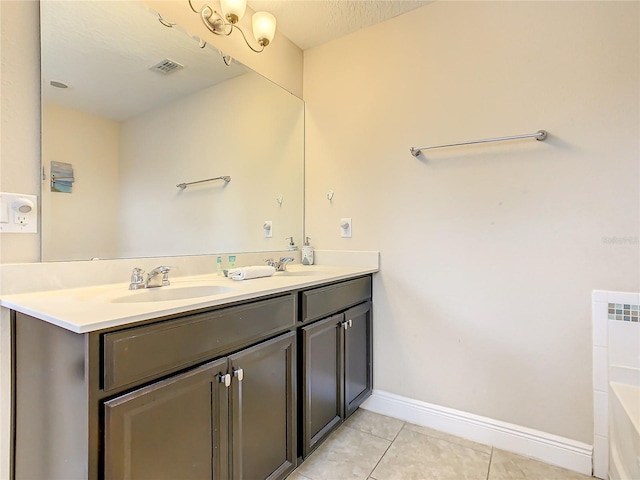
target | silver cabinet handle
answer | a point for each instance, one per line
(226, 379)
(350, 322)
(239, 374)
(345, 325)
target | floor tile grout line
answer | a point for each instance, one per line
(345, 425)
(399, 430)
(490, 462)
(385, 452)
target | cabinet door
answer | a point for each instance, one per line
(170, 429)
(322, 397)
(358, 369)
(262, 411)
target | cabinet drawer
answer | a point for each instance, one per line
(323, 301)
(139, 354)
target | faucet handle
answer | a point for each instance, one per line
(137, 281)
(162, 269)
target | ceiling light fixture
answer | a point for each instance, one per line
(263, 23)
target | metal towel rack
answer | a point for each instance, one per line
(182, 186)
(539, 135)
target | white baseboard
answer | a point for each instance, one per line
(546, 447)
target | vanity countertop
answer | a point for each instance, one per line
(87, 309)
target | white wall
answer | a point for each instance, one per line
(245, 128)
(489, 253)
(83, 224)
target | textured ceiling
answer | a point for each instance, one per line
(309, 23)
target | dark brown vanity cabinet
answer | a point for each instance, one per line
(176, 428)
(321, 385)
(263, 410)
(207, 395)
(231, 418)
(336, 358)
(358, 358)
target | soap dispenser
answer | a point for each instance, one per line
(292, 246)
(307, 253)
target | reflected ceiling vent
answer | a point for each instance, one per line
(167, 66)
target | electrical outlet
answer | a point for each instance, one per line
(18, 213)
(345, 227)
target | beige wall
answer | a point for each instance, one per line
(489, 253)
(201, 140)
(83, 224)
(19, 117)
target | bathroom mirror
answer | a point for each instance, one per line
(131, 108)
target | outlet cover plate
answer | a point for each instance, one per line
(345, 227)
(15, 221)
(267, 226)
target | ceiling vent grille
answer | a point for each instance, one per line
(167, 66)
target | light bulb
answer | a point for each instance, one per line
(264, 27)
(233, 10)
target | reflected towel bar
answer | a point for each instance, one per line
(539, 135)
(182, 186)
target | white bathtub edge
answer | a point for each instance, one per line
(629, 396)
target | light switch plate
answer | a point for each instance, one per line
(267, 226)
(345, 227)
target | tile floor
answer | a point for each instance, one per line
(369, 446)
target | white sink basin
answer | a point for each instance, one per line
(170, 293)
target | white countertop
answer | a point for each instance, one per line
(87, 309)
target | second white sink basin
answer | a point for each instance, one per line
(164, 294)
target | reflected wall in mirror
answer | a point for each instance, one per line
(132, 133)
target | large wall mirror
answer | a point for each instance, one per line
(125, 132)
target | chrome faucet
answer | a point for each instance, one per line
(153, 278)
(279, 265)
